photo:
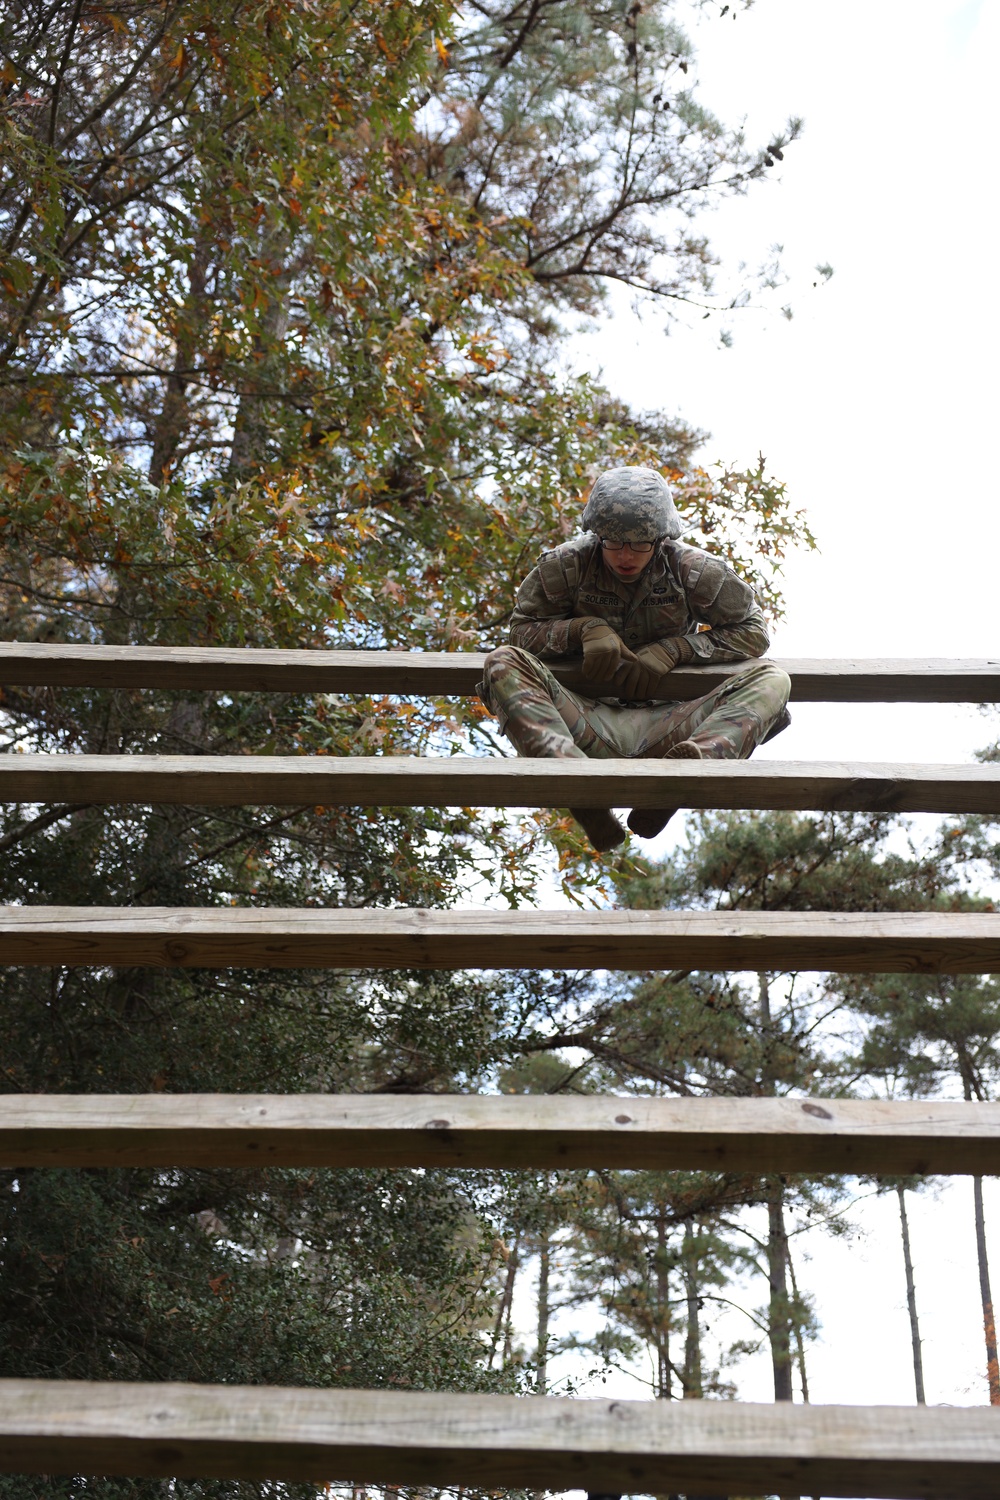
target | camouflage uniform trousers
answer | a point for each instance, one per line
(542, 718)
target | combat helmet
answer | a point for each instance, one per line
(632, 505)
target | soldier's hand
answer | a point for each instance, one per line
(602, 650)
(645, 679)
(635, 681)
(659, 656)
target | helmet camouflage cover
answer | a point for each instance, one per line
(632, 505)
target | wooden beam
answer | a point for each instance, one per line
(485, 781)
(496, 1442)
(417, 938)
(241, 669)
(856, 1136)
(253, 669)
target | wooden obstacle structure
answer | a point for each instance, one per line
(396, 1438)
(496, 1442)
(467, 780)
(502, 1132)
(440, 673)
(421, 938)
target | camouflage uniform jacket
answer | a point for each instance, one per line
(681, 589)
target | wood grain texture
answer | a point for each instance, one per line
(499, 1131)
(251, 669)
(417, 938)
(460, 780)
(497, 1442)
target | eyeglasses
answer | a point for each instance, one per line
(641, 549)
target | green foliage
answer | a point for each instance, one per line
(780, 861)
(293, 310)
(656, 1248)
(922, 1033)
(279, 1278)
(578, 125)
(281, 301)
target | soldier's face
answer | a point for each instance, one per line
(626, 561)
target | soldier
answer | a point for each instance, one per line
(635, 603)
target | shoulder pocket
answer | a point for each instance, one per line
(561, 571)
(711, 582)
(552, 576)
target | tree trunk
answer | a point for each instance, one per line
(506, 1302)
(172, 422)
(911, 1301)
(777, 1275)
(693, 1374)
(986, 1295)
(777, 1241)
(692, 1342)
(664, 1384)
(800, 1347)
(508, 1327)
(542, 1361)
(251, 424)
(989, 1323)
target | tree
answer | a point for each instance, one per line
(651, 1249)
(272, 373)
(710, 1033)
(278, 294)
(911, 1297)
(919, 1031)
(789, 862)
(574, 127)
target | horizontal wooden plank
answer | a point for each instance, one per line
(500, 1131)
(497, 1442)
(416, 938)
(240, 669)
(463, 780)
(254, 669)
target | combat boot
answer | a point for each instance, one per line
(647, 822)
(601, 827)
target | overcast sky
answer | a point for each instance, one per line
(877, 401)
(877, 404)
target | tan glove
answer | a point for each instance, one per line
(661, 656)
(602, 650)
(652, 663)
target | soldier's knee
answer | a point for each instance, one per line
(502, 657)
(506, 671)
(770, 677)
(506, 660)
(779, 680)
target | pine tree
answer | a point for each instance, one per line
(278, 368)
(922, 1032)
(716, 1034)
